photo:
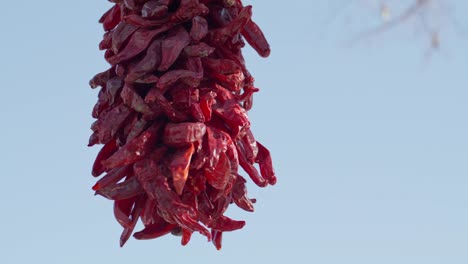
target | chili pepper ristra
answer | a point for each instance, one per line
(172, 116)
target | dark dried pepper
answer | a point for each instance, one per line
(172, 115)
(177, 39)
(154, 9)
(199, 28)
(183, 134)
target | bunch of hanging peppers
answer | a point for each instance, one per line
(172, 116)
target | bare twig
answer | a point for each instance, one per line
(406, 15)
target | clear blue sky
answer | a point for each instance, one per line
(369, 141)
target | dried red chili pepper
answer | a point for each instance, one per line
(172, 115)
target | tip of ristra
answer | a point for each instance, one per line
(272, 180)
(95, 187)
(265, 53)
(122, 242)
(217, 239)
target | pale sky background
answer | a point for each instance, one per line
(369, 140)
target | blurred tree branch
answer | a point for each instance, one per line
(429, 13)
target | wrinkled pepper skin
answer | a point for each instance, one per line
(172, 116)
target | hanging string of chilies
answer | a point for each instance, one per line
(172, 115)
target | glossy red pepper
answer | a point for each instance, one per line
(119, 191)
(112, 177)
(108, 149)
(122, 211)
(134, 150)
(183, 134)
(179, 167)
